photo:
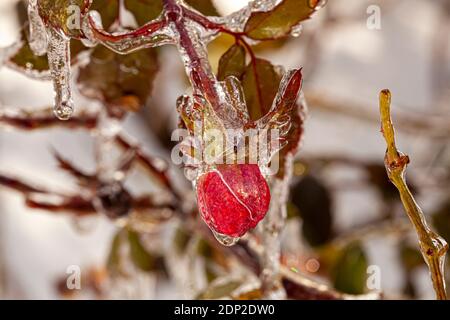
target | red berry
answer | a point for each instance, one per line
(233, 198)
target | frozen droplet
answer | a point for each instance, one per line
(38, 35)
(59, 63)
(225, 240)
(296, 30)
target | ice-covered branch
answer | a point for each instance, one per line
(432, 246)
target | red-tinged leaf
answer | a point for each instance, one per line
(278, 22)
(293, 138)
(232, 63)
(65, 15)
(260, 82)
(144, 10)
(109, 11)
(289, 105)
(124, 81)
(204, 6)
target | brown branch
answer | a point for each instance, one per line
(435, 126)
(432, 246)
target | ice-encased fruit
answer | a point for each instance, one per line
(233, 198)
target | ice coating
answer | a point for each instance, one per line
(59, 63)
(38, 34)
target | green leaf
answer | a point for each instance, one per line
(349, 272)
(204, 6)
(139, 255)
(124, 81)
(64, 14)
(260, 83)
(25, 59)
(108, 9)
(144, 10)
(278, 22)
(232, 62)
(314, 203)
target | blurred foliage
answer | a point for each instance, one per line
(314, 203)
(349, 272)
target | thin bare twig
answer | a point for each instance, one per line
(432, 246)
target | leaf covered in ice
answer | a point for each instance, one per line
(260, 82)
(278, 22)
(65, 15)
(124, 81)
(25, 59)
(232, 62)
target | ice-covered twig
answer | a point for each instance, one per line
(432, 246)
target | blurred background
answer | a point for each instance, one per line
(340, 192)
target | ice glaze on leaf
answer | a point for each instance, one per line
(124, 81)
(26, 59)
(232, 62)
(260, 82)
(350, 270)
(278, 22)
(204, 6)
(144, 10)
(62, 14)
(108, 9)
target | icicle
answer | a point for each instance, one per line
(38, 35)
(59, 62)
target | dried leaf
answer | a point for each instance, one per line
(278, 22)
(124, 81)
(144, 10)
(350, 270)
(65, 15)
(260, 82)
(232, 62)
(313, 201)
(204, 6)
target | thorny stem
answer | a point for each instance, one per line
(432, 246)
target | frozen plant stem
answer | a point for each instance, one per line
(432, 246)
